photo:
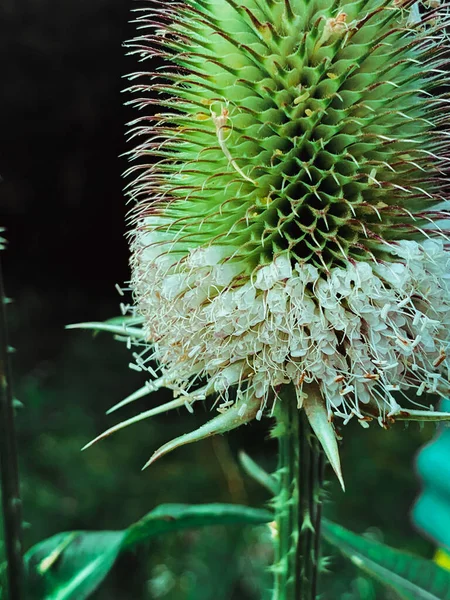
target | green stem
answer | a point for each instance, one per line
(297, 504)
(12, 513)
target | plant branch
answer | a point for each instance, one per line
(11, 503)
(297, 503)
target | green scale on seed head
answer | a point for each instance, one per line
(305, 127)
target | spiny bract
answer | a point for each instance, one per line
(290, 230)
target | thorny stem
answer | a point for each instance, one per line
(298, 503)
(11, 503)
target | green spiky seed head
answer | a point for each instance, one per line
(298, 126)
(290, 189)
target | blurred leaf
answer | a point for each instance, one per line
(70, 566)
(169, 518)
(411, 577)
(258, 473)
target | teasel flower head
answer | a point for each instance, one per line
(290, 220)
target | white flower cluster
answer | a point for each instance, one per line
(367, 334)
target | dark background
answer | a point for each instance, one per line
(62, 119)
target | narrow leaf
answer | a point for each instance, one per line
(258, 473)
(169, 518)
(411, 577)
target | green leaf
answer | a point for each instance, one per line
(258, 473)
(71, 566)
(169, 518)
(411, 577)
